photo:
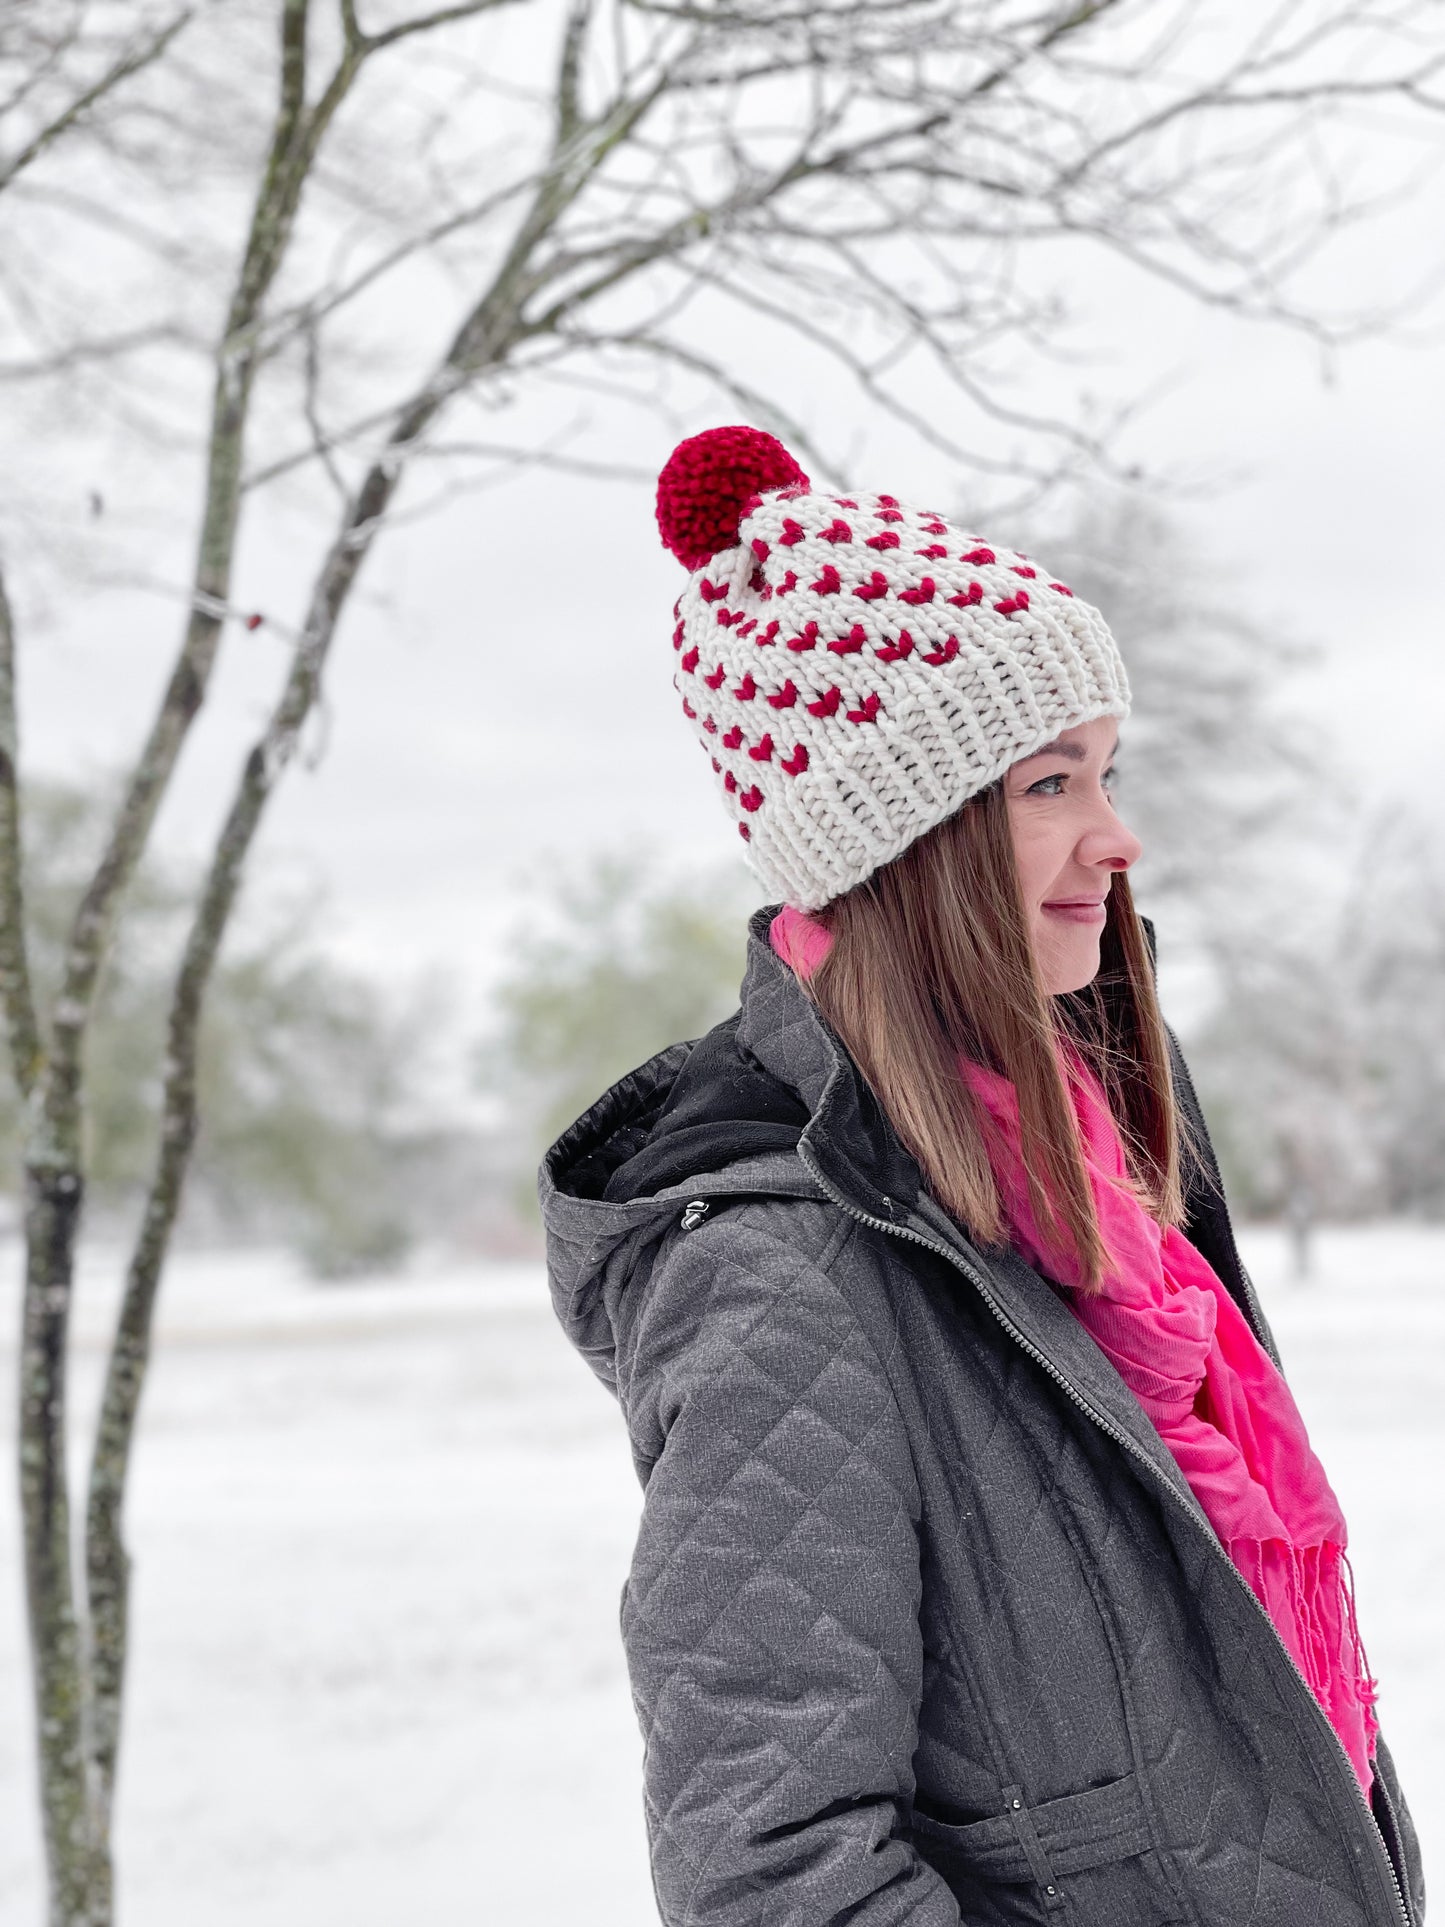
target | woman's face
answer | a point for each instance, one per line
(1067, 844)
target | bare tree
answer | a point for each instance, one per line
(1285, 1065)
(1396, 940)
(1323, 1058)
(575, 198)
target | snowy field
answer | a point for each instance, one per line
(379, 1535)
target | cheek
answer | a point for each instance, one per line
(1038, 858)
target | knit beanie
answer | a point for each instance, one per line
(857, 669)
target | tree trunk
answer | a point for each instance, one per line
(77, 1850)
(107, 1563)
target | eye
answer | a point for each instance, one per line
(1055, 785)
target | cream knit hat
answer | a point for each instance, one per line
(856, 669)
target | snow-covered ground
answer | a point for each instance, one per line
(379, 1534)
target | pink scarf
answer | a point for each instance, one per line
(1185, 1350)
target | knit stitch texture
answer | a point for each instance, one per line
(857, 669)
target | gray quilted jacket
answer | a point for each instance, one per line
(923, 1624)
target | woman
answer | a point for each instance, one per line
(985, 1572)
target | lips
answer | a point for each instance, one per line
(1078, 909)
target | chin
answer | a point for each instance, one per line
(1063, 975)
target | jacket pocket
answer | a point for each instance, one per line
(1083, 1857)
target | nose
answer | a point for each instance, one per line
(1108, 843)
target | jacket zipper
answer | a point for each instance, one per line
(1122, 1439)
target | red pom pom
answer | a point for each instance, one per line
(709, 481)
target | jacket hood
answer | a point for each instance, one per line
(738, 1112)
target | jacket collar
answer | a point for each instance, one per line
(848, 1135)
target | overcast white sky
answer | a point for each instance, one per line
(501, 699)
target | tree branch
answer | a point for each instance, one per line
(282, 327)
(294, 139)
(762, 408)
(1224, 95)
(107, 348)
(426, 22)
(122, 69)
(554, 459)
(107, 1561)
(22, 1029)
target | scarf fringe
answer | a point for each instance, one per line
(1331, 1655)
(1185, 1350)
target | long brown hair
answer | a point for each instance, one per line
(931, 957)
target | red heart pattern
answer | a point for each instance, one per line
(881, 662)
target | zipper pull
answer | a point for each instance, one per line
(694, 1214)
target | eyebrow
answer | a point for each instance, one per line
(1075, 752)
